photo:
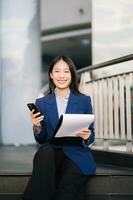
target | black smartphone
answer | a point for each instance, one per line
(32, 106)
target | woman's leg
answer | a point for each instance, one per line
(42, 183)
(71, 183)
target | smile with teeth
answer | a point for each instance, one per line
(61, 81)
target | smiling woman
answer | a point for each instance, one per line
(60, 171)
(63, 64)
(61, 76)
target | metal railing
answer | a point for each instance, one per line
(112, 99)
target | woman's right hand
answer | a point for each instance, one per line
(36, 119)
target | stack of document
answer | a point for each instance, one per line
(69, 124)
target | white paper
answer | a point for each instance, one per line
(74, 122)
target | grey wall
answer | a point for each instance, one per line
(112, 29)
(112, 34)
(60, 13)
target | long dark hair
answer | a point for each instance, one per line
(72, 68)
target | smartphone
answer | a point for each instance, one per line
(32, 106)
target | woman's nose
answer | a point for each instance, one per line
(61, 74)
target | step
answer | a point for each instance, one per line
(106, 175)
(113, 179)
(97, 184)
(89, 197)
(13, 183)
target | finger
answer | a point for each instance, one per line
(40, 118)
(35, 115)
(83, 135)
(37, 119)
(32, 111)
(86, 130)
(83, 132)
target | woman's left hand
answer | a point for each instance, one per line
(85, 134)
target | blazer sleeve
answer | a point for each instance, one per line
(89, 110)
(42, 137)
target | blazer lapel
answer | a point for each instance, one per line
(72, 105)
(52, 110)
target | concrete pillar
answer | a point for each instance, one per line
(20, 68)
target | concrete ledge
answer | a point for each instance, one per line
(113, 158)
(89, 197)
(97, 184)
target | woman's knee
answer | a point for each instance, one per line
(44, 152)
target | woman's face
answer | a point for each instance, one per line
(61, 75)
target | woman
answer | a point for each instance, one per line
(59, 172)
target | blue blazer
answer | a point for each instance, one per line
(77, 104)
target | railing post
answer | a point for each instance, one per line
(106, 144)
(129, 146)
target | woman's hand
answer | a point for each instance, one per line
(85, 134)
(36, 119)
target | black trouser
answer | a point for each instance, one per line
(54, 177)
